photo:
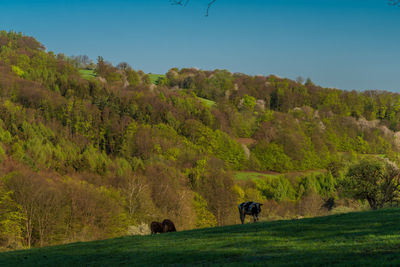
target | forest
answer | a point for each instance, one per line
(92, 151)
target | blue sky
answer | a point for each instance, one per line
(346, 44)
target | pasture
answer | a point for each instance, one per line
(246, 175)
(206, 102)
(154, 78)
(87, 74)
(249, 175)
(359, 239)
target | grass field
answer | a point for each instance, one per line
(247, 175)
(87, 74)
(154, 77)
(243, 176)
(354, 239)
(207, 102)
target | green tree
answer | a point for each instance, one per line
(272, 157)
(11, 220)
(249, 102)
(372, 180)
(204, 217)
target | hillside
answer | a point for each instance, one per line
(90, 150)
(358, 239)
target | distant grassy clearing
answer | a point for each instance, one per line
(207, 102)
(87, 74)
(155, 77)
(354, 239)
(243, 176)
(248, 175)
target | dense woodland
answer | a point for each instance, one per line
(91, 158)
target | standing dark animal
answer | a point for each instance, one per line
(249, 208)
(156, 227)
(168, 226)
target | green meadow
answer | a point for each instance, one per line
(154, 78)
(87, 74)
(248, 175)
(244, 176)
(207, 102)
(354, 239)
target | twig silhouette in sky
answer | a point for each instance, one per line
(184, 3)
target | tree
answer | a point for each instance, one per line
(81, 61)
(309, 82)
(124, 66)
(40, 202)
(217, 189)
(11, 220)
(372, 180)
(300, 80)
(134, 190)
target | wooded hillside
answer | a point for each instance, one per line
(86, 157)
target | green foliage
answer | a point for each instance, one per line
(375, 180)
(208, 103)
(97, 162)
(12, 221)
(123, 167)
(323, 184)
(244, 124)
(204, 217)
(228, 150)
(272, 157)
(18, 70)
(249, 102)
(254, 175)
(2, 153)
(278, 188)
(156, 78)
(87, 74)
(215, 142)
(5, 135)
(118, 143)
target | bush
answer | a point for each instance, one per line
(376, 181)
(272, 157)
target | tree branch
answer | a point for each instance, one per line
(210, 4)
(394, 2)
(179, 3)
(185, 2)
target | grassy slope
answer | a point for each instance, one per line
(362, 239)
(154, 77)
(207, 102)
(249, 175)
(87, 74)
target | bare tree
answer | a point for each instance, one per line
(124, 66)
(133, 190)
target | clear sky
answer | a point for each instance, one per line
(346, 44)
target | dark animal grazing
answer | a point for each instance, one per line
(329, 203)
(249, 208)
(156, 227)
(168, 226)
